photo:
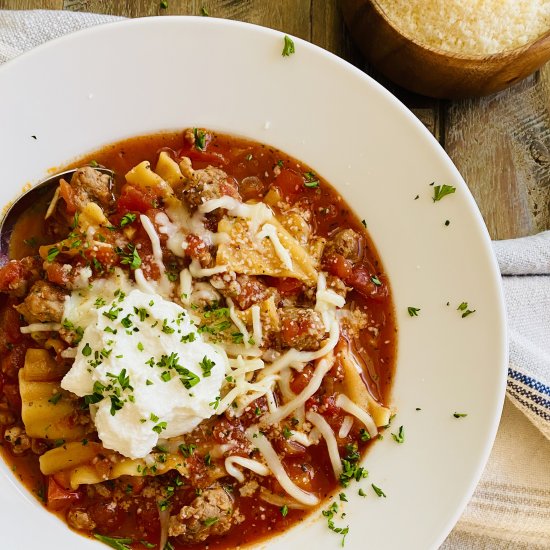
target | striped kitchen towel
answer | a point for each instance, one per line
(525, 266)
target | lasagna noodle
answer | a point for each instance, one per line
(244, 253)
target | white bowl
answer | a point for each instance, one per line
(110, 82)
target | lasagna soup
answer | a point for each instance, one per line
(195, 352)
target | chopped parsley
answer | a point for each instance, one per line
(161, 426)
(166, 328)
(460, 415)
(463, 307)
(207, 365)
(378, 491)
(284, 510)
(86, 350)
(441, 191)
(54, 399)
(330, 513)
(200, 139)
(118, 543)
(100, 302)
(343, 497)
(126, 322)
(361, 493)
(399, 437)
(364, 435)
(127, 219)
(188, 338)
(204, 12)
(164, 5)
(52, 253)
(112, 314)
(311, 181)
(216, 403)
(413, 311)
(130, 256)
(210, 521)
(32, 242)
(288, 47)
(187, 450)
(350, 468)
(376, 280)
(287, 433)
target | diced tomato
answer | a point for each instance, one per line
(362, 281)
(67, 194)
(56, 274)
(11, 274)
(133, 199)
(58, 497)
(287, 286)
(289, 182)
(301, 379)
(105, 255)
(339, 266)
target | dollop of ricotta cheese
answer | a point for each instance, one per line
(143, 368)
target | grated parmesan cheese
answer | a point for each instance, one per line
(270, 232)
(471, 27)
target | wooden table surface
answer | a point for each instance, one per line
(500, 144)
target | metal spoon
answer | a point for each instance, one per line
(27, 200)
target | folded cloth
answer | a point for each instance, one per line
(22, 30)
(525, 266)
(511, 506)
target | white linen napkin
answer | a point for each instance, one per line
(511, 505)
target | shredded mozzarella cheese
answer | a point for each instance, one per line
(257, 324)
(261, 442)
(323, 366)
(346, 426)
(40, 327)
(326, 431)
(186, 286)
(254, 465)
(143, 284)
(198, 272)
(238, 323)
(344, 402)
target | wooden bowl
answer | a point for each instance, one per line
(433, 72)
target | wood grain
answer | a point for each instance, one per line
(292, 16)
(501, 146)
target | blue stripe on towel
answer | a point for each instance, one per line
(530, 406)
(528, 381)
(526, 392)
